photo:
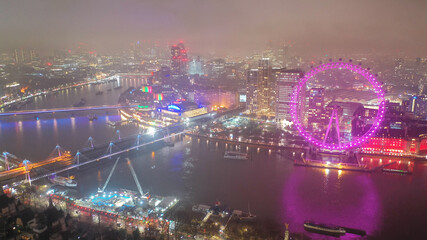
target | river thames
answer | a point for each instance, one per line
(386, 206)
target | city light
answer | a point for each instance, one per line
(338, 65)
(273, 110)
(151, 131)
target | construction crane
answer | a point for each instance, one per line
(138, 185)
(134, 177)
(109, 176)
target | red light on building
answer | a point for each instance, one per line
(423, 145)
(385, 145)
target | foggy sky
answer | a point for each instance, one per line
(221, 26)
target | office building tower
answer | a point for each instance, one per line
(316, 102)
(196, 67)
(419, 106)
(179, 60)
(265, 88)
(251, 90)
(286, 81)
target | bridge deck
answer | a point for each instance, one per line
(71, 109)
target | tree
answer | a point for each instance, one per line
(136, 233)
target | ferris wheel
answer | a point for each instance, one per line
(329, 132)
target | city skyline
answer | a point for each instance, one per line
(243, 119)
(219, 28)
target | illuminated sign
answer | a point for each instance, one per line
(147, 89)
(160, 96)
(174, 108)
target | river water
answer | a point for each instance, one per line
(387, 206)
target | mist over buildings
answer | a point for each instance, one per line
(218, 27)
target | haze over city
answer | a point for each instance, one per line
(203, 119)
(218, 27)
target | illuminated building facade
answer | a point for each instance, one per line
(389, 146)
(183, 110)
(316, 103)
(286, 80)
(196, 67)
(370, 114)
(179, 60)
(419, 106)
(251, 90)
(265, 87)
(423, 145)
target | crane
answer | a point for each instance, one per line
(109, 176)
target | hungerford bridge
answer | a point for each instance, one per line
(16, 169)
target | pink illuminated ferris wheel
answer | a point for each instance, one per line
(331, 124)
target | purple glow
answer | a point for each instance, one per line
(361, 209)
(356, 69)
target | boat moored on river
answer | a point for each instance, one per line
(235, 155)
(325, 229)
(63, 181)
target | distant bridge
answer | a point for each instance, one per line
(71, 109)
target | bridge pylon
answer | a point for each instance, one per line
(27, 171)
(58, 148)
(118, 134)
(77, 158)
(6, 161)
(110, 148)
(90, 139)
(138, 137)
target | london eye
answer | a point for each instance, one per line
(333, 122)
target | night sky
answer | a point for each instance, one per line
(218, 26)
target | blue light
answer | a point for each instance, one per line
(174, 107)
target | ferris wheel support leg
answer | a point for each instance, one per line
(329, 127)
(337, 125)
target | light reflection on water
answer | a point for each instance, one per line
(197, 171)
(356, 204)
(73, 124)
(55, 129)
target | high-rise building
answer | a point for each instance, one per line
(196, 67)
(316, 104)
(24, 55)
(179, 59)
(286, 81)
(251, 90)
(419, 106)
(137, 51)
(265, 87)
